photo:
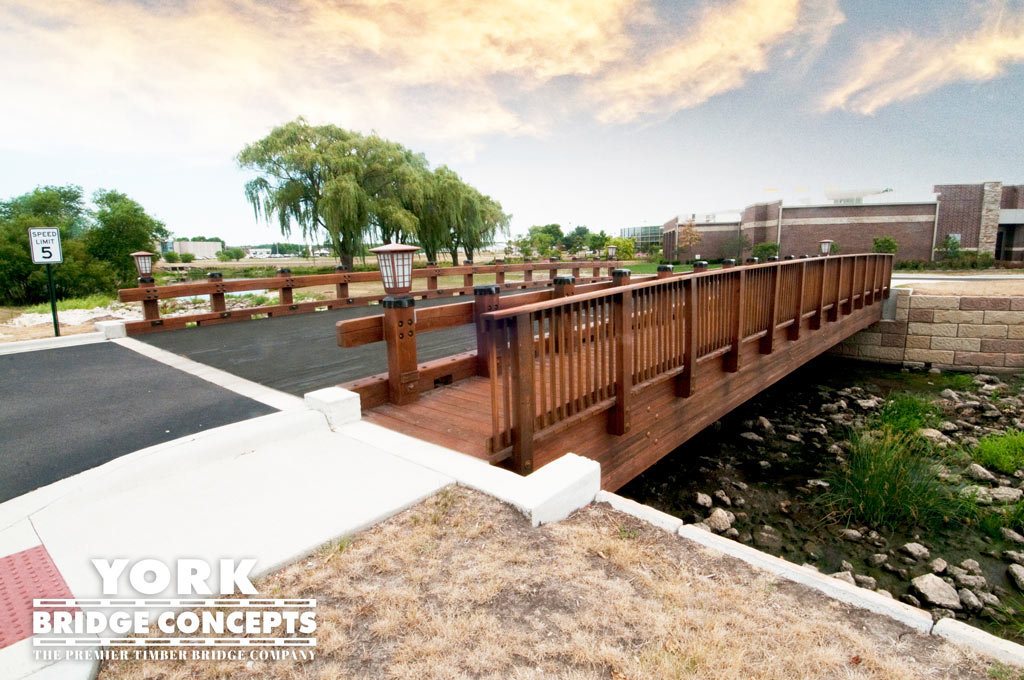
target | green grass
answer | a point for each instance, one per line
(1004, 452)
(903, 412)
(890, 481)
(88, 302)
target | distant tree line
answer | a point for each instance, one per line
(97, 242)
(548, 240)
(352, 190)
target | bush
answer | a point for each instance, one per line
(171, 257)
(885, 244)
(1004, 452)
(187, 257)
(766, 249)
(889, 482)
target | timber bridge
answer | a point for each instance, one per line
(553, 357)
(620, 370)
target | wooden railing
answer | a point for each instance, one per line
(554, 363)
(285, 284)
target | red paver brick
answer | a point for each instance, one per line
(25, 576)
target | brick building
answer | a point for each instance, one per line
(983, 217)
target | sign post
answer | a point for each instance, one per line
(45, 242)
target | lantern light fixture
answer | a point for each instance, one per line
(826, 246)
(395, 261)
(611, 252)
(143, 263)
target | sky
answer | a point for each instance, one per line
(604, 113)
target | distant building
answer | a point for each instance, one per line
(985, 218)
(203, 250)
(258, 252)
(644, 236)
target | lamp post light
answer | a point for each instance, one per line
(825, 245)
(395, 261)
(611, 252)
(144, 265)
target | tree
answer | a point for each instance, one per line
(625, 247)
(524, 245)
(552, 230)
(949, 248)
(884, 244)
(122, 227)
(543, 241)
(229, 254)
(735, 246)
(687, 237)
(762, 251)
(597, 242)
(576, 240)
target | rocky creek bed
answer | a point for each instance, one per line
(763, 475)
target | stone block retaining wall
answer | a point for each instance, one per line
(949, 332)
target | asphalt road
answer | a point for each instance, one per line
(63, 411)
(300, 353)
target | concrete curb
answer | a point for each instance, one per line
(341, 406)
(112, 329)
(913, 617)
(50, 343)
(660, 519)
(963, 635)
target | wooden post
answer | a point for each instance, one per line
(815, 321)
(596, 273)
(767, 345)
(151, 305)
(576, 272)
(622, 313)
(886, 282)
(528, 272)
(485, 299)
(620, 277)
(565, 286)
(665, 271)
(798, 301)
(399, 329)
(523, 396)
(286, 292)
(860, 281)
(432, 277)
(553, 273)
(700, 266)
(728, 263)
(732, 358)
(467, 279)
(869, 283)
(499, 275)
(848, 307)
(217, 303)
(833, 314)
(685, 382)
(341, 289)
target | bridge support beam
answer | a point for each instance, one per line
(399, 336)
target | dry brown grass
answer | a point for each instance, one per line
(461, 586)
(967, 287)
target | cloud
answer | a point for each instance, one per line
(904, 66)
(726, 44)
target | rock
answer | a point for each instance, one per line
(969, 600)
(835, 450)
(812, 550)
(938, 565)
(817, 484)
(935, 437)
(936, 592)
(948, 427)
(720, 520)
(949, 394)
(765, 425)
(964, 579)
(910, 599)
(742, 486)
(846, 566)
(830, 408)
(1014, 556)
(851, 534)
(972, 566)
(884, 593)
(1005, 494)
(1016, 573)
(878, 559)
(795, 438)
(865, 581)
(767, 537)
(975, 471)
(721, 496)
(819, 430)
(988, 599)
(986, 379)
(967, 406)
(989, 389)
(732, 533)
(704, 500)
(940, 613)
(752, 437)
(868, 404)
(934, 371)
(915, 550)
(844, 576)
(764, 464)
(1011, 535)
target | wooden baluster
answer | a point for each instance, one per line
(528, 275)
(816, 319)
(622, 311)
(860, 281)
(836, 286)
(485, 299)
(685, 383)
(490, 336)
(798, 302)
(596, 273)
(870, 282)
(851, 285)
(399, 336)
(767, 345)
(522, 395)
(732, 358)
(576, 272)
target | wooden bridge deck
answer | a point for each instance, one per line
(625, 375)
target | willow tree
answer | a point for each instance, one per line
(440, 212)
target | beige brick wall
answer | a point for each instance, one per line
(965, 333)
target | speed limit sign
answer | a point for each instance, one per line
(45, 245)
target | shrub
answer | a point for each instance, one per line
(764, 250)
(1004, 452)
(888, 482)
(187, 257)
(885, 244)
(171, 257)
